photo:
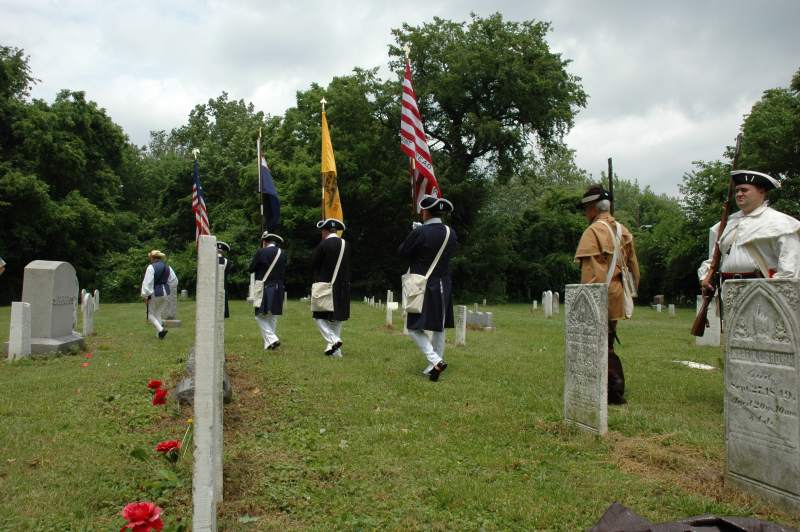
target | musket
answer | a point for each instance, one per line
(701, 320)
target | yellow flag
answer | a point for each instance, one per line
(331, 204)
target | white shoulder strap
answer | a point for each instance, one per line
(616, 238)
(338, 262)
(441, 250)
(274, 261)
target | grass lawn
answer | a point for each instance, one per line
(366, 442)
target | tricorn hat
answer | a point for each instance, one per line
(331, 224)
(750, 177)
(435, 205)
(223, 246)
(266, 235)
(594, 193)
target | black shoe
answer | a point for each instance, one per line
(617, 400)
(437, 370)
(162, 334)
(274, 345)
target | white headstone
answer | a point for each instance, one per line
(484, 301)
(19, 336)
(251, 288)
(389, 296)
(389, 310)
(658, 308)
(171, 320)
(96, 299)
(184, 294)
(476, 308)
(535, 305)
(50, 287)
(88, 315)
(219, 369)
(712, 334)
(83, 295)
(205, 495)
(762, 388)
(671, 308)
(586, 357)
(556, 302)
(547, 303)
(285, 298)
(461, 325)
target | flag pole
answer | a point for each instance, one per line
(412, 163)
(258, 174)
(322, 102)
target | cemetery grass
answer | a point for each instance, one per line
(366, 442)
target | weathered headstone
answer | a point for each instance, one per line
(484, 301)
(184, 294)
(205, 492)
(484, 320)
(762, 388)
(461, 325)
(535, 305)
(712, 334)
(285, 299)
(219, 371)
(658, 308)
(475, 309)
(671, 308)
(19, 336)
(556, 303)
(251, 287)
(96, 297)
(171, 320)
(51, 287)
(88, 315)
(658, 300)
(83, 295)
(391, 306)
(586, 357)
(547, 303)
(389, 296)
(184, 391)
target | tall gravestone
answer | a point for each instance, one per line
(586, 357)
(713, 333)
(171, 320)
(50, 287)
(96, 299)
(251, 287)
(19, 336)
(461, 325)
(206, 493)
(88, 315)
(671, 309)
(556, 302)
(762, 387)
(547, 303)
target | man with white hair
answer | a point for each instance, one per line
(758, 241)
(159, 281)
(595, 253)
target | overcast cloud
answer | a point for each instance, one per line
(668, 82)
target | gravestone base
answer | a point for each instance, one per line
(788, 502)
(172, 324)
(61, 344)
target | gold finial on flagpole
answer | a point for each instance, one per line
(195, 152)
(323, 101)
(407, 50)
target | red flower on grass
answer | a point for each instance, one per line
(168, 446)
(154, 384)
(85, 365)
(89, 355)
(160, 397)
(142, 517)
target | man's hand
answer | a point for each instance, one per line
(414, 225)
(707, 288)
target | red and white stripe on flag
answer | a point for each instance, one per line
(414, 144)
(199, 208)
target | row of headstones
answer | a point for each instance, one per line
(762, 379)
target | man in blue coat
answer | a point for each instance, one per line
(323, 263)
(421, 247)
(269, 255)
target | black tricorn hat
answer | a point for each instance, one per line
(223, 246)
(750, 177)
(266, 235)
(435, 205)
(331, 224)
(594, 193)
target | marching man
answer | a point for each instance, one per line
(330, 263)
(269, 267)
(159, 281)
(432, 243)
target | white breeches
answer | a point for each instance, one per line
(432, 348)
(268, 325)
(331, 332)
(155, 307)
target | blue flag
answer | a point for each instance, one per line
(270, 204)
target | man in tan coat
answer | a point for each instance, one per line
(595, 252)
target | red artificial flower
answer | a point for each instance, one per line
(142, 517)
(154, 384)
(89, 355)
(160, 397)
(168, 446)
(85, 365)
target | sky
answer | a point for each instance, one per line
(669, 83)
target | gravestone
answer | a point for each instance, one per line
(484, 320)
(762, 388)
(484, 302)
(285, 299)
(476, 308)
(547, 303)
(96, 297)
(184, 294)
(586, 357)
(171, 320)
(535, 305)
(713, 333)
(19, 336)
(671, 308)
(83, 295)
(658, 300)
(389, 296)
(206, 493)
(88, 315)
(184, 391)
(658, 308)
(391, 306)
(556, 302)
(251, 287)
(461, 325)
(50, 287)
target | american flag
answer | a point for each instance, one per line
(199, 207)
(414, 143)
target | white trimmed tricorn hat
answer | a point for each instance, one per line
(331, 224)
(223, 246)
(750, 177)
(434, 204)
(266, 235)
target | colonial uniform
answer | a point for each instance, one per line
(323, 263)
(762, 243)
(222, 249)
(421, 247)
(595, 252)
(159, 281)
(273, 292)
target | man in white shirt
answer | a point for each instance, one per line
(159, 281)
(758, 241)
